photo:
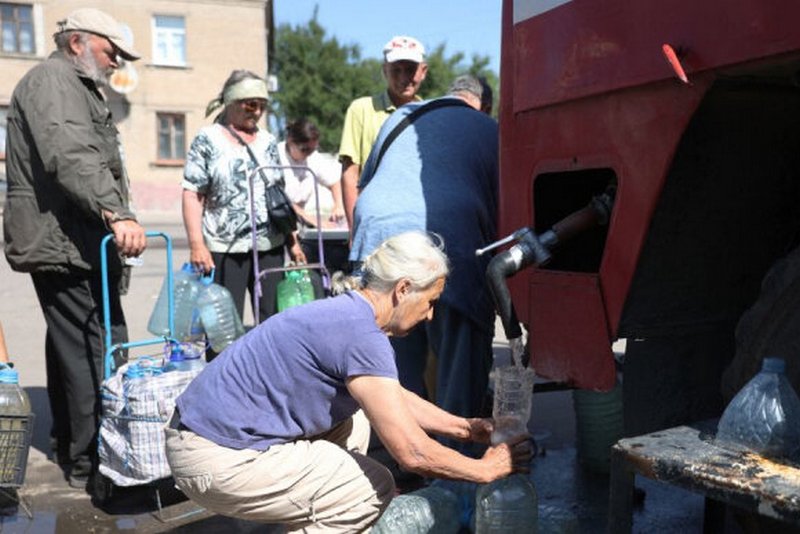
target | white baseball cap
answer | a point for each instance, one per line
(403, 48)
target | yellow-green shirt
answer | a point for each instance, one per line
(362, 122)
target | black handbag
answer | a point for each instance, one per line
(282, 216)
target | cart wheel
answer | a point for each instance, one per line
(103, 489)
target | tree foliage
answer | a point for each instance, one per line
(318, 77)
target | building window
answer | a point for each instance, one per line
(16, 23)
(171, 137)
(169, 40)
(3, 119)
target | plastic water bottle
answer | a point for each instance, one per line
(15, 427)
(218, 315)
(185, 289)
(295, 289)
(509, 504)
(184, 357)
(506, 505)
(764, 416)
(465, 492)
(306, 287)
(430, 509)
(13, 399)
(513, 388)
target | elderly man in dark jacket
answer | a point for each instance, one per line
(67, 189)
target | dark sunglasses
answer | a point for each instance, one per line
(304, 148)
(253, 105)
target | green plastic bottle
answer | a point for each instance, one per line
(289, 290)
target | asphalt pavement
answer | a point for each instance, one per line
(48, 505)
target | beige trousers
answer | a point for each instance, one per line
(322, 484)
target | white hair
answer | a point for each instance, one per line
(416, 256)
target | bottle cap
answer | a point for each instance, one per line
(177, 354)
(773, 365)
(187, 267)
(9, 376)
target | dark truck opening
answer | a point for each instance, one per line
(729, 209)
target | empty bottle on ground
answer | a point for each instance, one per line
(428, 510)
(764, 416)
(218, 315)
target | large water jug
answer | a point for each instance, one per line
(186, 288)
(506, 505)
(15, 427)
(218, 315)
(428, 510)
(295, 289)
(764, 416)
(465, 492)
(509, 504)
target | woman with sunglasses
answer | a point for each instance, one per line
(299, 151)
(216, 207)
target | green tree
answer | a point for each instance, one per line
(318, 77)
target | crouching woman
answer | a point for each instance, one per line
(276, 428)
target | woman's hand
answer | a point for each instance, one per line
(337, 215)
(201, 258)
(295, 250)
(511, 457)
(480, 430)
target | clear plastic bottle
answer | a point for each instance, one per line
(218, 315)
(186, 288)
(430, 509)
(184, 357)
(507, 505)
(513, 388)
(15, 409)
(764, 416)
(306, 287)
(465, 492)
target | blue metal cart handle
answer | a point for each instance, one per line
(111, 349)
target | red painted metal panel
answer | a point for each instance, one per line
(568, 334)
(586, 85)
(588, 47)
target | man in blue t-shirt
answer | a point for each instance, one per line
(440, 175)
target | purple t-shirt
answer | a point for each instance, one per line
(285, 379)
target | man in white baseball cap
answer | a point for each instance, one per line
(67, 189)
(404, 69)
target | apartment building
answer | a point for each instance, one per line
(188, 47)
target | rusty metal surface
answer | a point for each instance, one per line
(686, 456)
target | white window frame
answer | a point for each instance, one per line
(178, 153)
(35, 22)
(171, 55)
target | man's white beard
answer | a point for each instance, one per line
(88, 64)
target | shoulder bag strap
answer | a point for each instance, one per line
(413, 116)
(249, 151)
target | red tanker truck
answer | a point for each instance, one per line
(650, 171)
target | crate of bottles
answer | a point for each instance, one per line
(15, 440)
